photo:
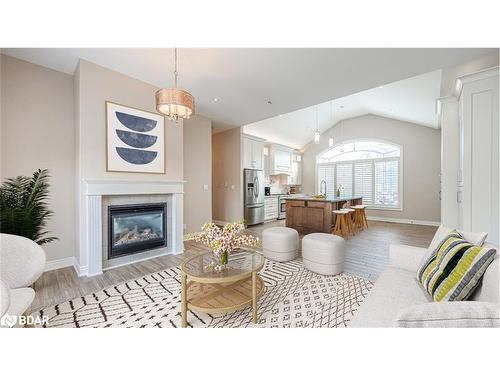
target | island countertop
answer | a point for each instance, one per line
(307, 214)
(327, 199)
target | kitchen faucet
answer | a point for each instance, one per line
(321, 187)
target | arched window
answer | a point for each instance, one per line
(367, 168)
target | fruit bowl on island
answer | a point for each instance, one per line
(319, 196)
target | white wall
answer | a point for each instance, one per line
(421, 162)
(197, 172)
(227, 197)
(37, 131)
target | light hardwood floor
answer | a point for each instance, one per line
(367, 255)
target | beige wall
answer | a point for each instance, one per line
(227, 197)
(60, 118)
(98, 85)
(421, 162)
(197, 172)
(38, 132)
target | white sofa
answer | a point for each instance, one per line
(22, 261)
(398, 300)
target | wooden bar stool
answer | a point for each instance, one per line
(351, 225)
(341, 227)
(360, 217)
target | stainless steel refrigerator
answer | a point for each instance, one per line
(254, 196)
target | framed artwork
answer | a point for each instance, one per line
(135, 140)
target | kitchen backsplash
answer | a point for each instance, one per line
(278, 184)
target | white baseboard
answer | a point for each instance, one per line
(403, 221)
(66, 262)
(59, 263)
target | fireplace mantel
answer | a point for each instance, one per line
(96, 187)
(90, 237)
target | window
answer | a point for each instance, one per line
(370, 169)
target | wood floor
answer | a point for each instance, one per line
(367, 255)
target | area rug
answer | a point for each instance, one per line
(293, 297)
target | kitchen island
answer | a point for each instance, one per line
(313, 215)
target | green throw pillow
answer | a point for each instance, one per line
(454, 269)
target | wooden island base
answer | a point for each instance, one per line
(309, 215)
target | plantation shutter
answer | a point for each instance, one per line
(363, 181)
(344, 179)
(387, 183)
(327, 173)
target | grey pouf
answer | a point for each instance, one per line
(280, 243)
(323, 253)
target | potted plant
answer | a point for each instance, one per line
(23, 206)
(223, 241)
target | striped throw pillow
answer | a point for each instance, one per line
(454, 269)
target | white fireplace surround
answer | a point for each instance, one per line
(90, 235)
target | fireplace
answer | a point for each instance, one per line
(136, 227)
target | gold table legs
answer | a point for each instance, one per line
(184, 300)
(254, 297)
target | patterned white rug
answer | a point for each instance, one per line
(293, 297)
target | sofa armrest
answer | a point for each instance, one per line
(406, 257)
(463, 314)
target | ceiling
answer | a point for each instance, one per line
(411, 100)
(244, 80)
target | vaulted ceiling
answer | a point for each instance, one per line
(235, 87)
(411, 100)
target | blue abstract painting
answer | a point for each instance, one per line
(137, 123)
(136, 156)
(136, 140)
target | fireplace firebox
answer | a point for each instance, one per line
(135, 228)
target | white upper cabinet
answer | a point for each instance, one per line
(296, 177)
(281, 160)
(253, 153)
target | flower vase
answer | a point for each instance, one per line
(224, 258)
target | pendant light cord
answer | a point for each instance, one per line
(317, 118)
(175, 69)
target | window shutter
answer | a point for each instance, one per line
(344, 178)
(387, 183)
(363, 181)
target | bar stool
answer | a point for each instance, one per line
(360, 217)
(351, 225)
(341, 223)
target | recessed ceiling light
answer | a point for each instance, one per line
(280, 115)
(381, 87)
(216, 100)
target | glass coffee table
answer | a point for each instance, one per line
(215, 292)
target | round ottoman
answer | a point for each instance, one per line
(323, 253)
(280, 243)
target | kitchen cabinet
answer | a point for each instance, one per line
(271, 207)
(253, 153)
(281, 160)
(296, 175)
